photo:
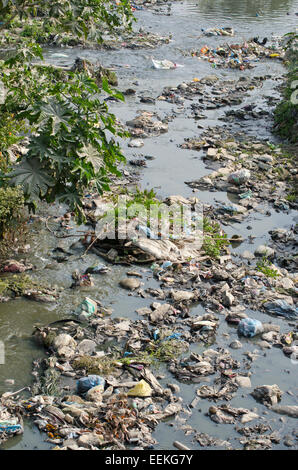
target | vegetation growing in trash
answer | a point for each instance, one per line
(71, 132)
(265, 266)
(286, 113)
(17, 285)
(96, 365)
(11, 205)
(214, 239)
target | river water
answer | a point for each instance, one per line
(167, 174)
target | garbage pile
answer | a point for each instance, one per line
(11, 422)
(238, 56)
(96, 389)
(227, 31)
(211, 93)
(147, 124)
(246, 170)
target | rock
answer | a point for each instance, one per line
(267, 394)
(95, 394)
(144, 311)
(243, 381)
(63, 340)
(265, 158)
(236, 345)
(247, 255)
(247, 417)
(136, 143)
(86, 346)
(90, 439)
(270, 327)
(130, 283)
(182, 295)
(270, 336)
(65, 345)
(286, 283)
(212, 153)
(159, 312)
(264, 345)
(227, 299)
(289, 410)
(263, 250)
(174, 388)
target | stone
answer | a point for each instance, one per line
(263, 250)
(247, 417)
(86, 346)
(243, 381)
(90, 439)
(63, 340)
(227, 299)
(95, 394)
(144, 311)
(159, 313)
(288, 410)
(236, 344)
(130, 283)
(136, 143)
(182, 295)
(267, 394)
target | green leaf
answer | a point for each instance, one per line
(92, 156)
(32, 176)
(57, 113)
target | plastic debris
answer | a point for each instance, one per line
(142, 389)
(11, 426)
(165, 64)
(281, 308)
(88, 307)
(228, 31)
(250, 327)
(86, 383)
(239, 177)
(97, 269)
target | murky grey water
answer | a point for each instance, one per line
(167, 173)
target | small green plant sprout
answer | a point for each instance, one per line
(266, 267)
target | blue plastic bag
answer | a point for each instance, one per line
(282, 308)
(250, 327)
(85, 383)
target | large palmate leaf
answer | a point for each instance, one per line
(91, 155)
(57, 114)
(40, 146)
(32, 176)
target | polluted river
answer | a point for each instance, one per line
(199, 100)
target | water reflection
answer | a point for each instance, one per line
(245, 8)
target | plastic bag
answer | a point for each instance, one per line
(281, 307)
(88, 306)
(239, 177)
(142, 389)
(250, 327)
(85, 383)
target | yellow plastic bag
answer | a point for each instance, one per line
(142, 389)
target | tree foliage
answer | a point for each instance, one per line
(72, 135)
